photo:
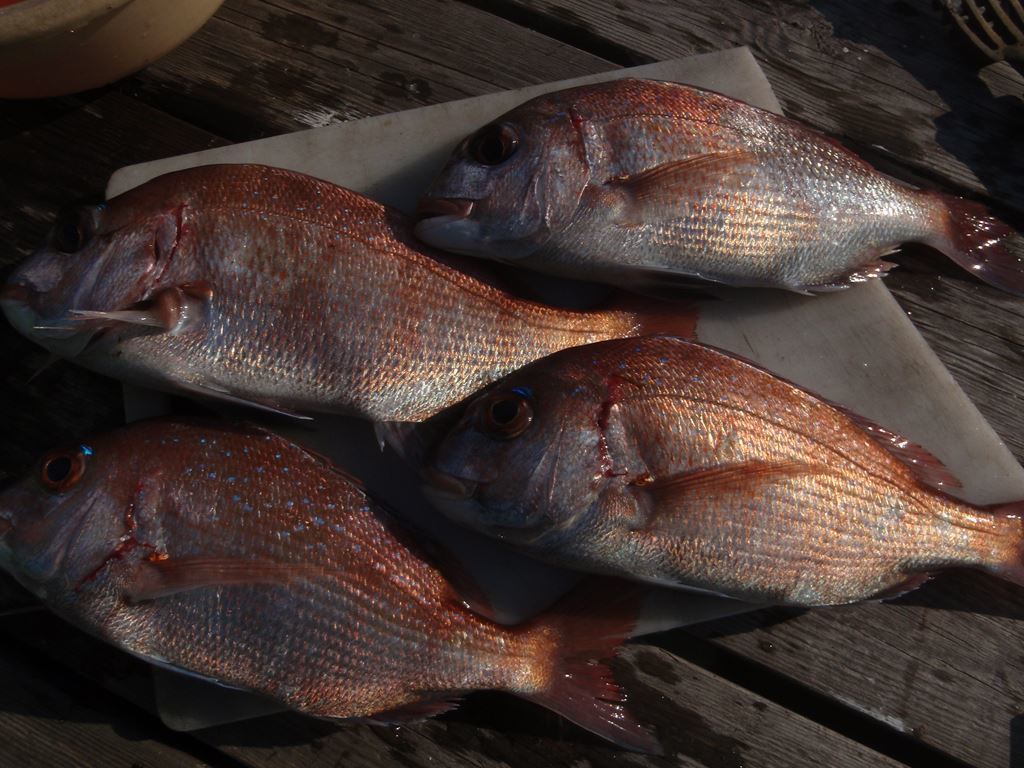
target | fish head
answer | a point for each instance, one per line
(96, 258)
(523, 463)
(508, 187)
(61, 521)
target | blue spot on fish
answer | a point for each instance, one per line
(86, 449)
(212, 475)
(523, 391)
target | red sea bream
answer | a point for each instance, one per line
(235, 555)
(675, 463)
(267, 287)
(644, 183)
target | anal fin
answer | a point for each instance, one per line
(898, 590)
(411, 713)
(863, 273)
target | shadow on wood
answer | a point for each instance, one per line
(979, 129)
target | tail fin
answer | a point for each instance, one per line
(576, 635)
(657, 316)
(1011, 565)
(982, 244)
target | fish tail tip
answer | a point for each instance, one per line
(985, 246)
(589, 628)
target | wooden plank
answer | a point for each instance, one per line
(45, 722)
(895, 81)
(260, 67)
(942, 665)
(977, 333)
(701, 719)
(55, 153)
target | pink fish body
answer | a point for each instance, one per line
(647, 183)
(263, 286)
(235, 555)
(675, 463)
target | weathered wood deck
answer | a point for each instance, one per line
(935, 679)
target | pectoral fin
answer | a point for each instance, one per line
(173, 310)
(155, 579)
(661, 189)
(746, 477)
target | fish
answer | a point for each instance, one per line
(661, 185)
(675, 463)
(260, 286)
(231, 554)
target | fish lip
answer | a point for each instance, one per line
(449, 486)
(15, 293)
(18, 310)
(449, 208)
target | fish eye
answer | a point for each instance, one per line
(61, 470)
(74, 228)
(504, 414)
(493, 144)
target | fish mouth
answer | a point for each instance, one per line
(451, 232)
(443, 485)
(451, 208)
(454, 500)
(15, 301)
(61, 336)
(15, 293)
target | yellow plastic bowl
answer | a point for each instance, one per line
(56, 47)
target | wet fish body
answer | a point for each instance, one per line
(263, 286)
(653, 183)
(235, 555)
(675, 463)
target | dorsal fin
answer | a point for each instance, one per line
(925, 466)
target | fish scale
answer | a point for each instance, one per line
(675, 463)
(300, 295)
(233, 554)
(652, 184)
